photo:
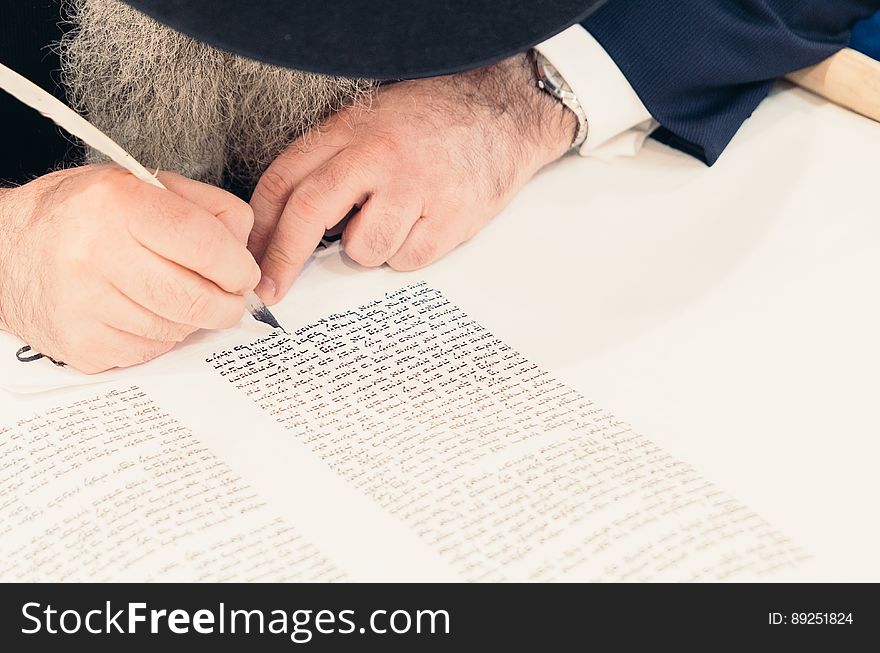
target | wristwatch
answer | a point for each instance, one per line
(551, 81)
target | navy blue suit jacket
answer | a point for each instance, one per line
(866, 36)
(702, 66)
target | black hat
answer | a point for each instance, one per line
(371, 38)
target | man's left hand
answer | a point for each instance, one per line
(429, 162)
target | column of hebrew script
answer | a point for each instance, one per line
(113, 488)
(505, 472)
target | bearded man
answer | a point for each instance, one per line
(288, 105)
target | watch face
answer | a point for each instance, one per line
(551, 72)
(553, 81)
(550, 80)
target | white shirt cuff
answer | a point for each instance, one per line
(619, 122)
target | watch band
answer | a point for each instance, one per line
(550, 80)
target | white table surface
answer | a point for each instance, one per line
(731, 314)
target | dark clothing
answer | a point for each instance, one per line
(866, 36)
(30, 145)
(700, 66)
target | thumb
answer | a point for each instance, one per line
(291, 245)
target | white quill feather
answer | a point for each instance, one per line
(62, 115)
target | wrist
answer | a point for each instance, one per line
(6, 227)
(554, 125)
(10, 227)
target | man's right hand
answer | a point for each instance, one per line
(102, 270)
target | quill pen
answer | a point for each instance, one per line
(62, 115)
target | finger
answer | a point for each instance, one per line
(173, 292)
(428, 240)
(103, 348)
(319, 202)
(286, 172)
(378, 230)
(234, 213)
(85, 365)
(192, 237)
(123, 349)
(120, 312)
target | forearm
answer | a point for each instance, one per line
(18, 267)
(6, 231)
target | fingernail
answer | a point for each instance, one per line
(265, 289)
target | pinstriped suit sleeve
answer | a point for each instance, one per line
(701, 67)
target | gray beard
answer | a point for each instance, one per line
(178, 104)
